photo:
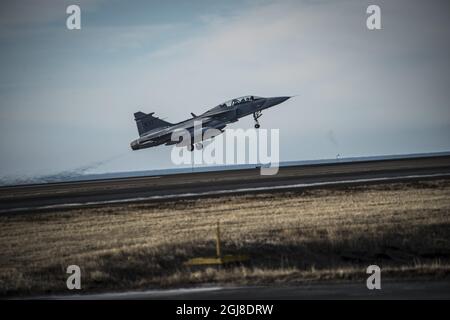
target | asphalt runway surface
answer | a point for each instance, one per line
(397, 290)
(57, 196)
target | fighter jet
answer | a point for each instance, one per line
(154, 131)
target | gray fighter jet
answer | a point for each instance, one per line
(154, 131)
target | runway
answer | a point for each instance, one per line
(57, 196)
(424, 289)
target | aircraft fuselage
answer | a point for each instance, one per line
(154, 131)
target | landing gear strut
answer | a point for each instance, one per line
(256, 116)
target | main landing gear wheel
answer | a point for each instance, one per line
(257, 126)
(199, 146)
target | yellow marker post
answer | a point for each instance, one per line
(218, 251)
(219, 259)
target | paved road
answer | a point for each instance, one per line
(316, 291)
(32, 198)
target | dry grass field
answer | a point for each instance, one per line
(290, 237)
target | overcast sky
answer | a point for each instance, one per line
(67, 98)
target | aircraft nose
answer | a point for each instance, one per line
(280, 99)
(134, 145)
(277, 100)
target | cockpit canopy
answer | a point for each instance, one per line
(240, 100)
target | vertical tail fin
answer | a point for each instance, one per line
(147, 122)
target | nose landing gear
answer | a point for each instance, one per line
(256, 116)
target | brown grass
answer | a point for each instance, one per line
(292, 236)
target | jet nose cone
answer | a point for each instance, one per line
(134, 145)
(276, 100)
(281, 99)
